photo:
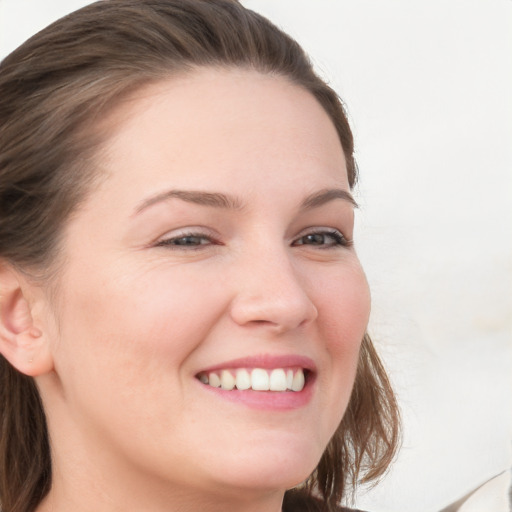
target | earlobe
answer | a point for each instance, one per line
(22, 343)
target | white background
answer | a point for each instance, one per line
(428, 87)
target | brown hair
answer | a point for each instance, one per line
(54, 89)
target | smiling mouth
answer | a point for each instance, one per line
(256, 379)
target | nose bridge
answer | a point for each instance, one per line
(270, 290)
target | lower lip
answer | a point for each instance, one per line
(266, 400)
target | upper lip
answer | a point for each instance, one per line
(265, 361)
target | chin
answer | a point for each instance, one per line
(272, 469)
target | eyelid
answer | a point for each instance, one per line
(338, 235)
(194, 231)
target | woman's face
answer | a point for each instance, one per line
(218, 244)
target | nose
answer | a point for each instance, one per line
(270, 292)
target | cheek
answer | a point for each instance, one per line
(131, 323)
(127, 352)
(139, 318)
(344, 308)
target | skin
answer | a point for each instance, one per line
(135, 319)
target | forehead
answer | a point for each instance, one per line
(223, 124)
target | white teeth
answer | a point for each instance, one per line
(243, 379)
(298, 381)
(214, 380)
(277, 380)
(289, 379)
(227, 381)
(258, 379)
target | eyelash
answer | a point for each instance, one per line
(172, 242)
(339, 240)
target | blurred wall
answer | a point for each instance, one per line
(428, 88)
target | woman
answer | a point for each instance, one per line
(183, 314)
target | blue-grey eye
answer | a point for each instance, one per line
(322, 239)
(184, 241)
(189, 240)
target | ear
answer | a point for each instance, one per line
(22, 342)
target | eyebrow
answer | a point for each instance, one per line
(215, 199)
(219, 200)
(324, 196)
